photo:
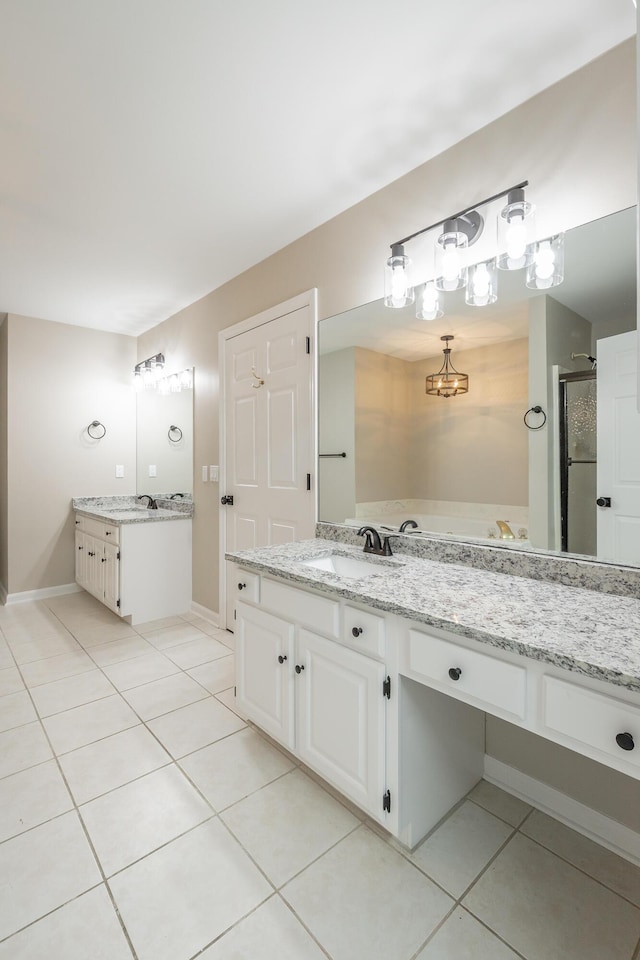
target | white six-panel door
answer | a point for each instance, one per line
(619, 449)
(269, 432)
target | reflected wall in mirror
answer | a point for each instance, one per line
(467, 467)
(164, 456)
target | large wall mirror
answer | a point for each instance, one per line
(468, 466)
(164, 442)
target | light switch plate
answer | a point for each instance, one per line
(205, 474)
(119, 469)
(152, 470)
(214, 473)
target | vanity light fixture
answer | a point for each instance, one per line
(148, 372)
(516, 249)
(447, 382)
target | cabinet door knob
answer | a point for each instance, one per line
(80, 548)
(103, 560)
(625, 741)
(356, 631)
(108, 533)
(455, 673)
(281, 659)
(242, 586)
(299, 667)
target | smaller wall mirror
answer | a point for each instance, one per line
(165, 441)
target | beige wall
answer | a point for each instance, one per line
(336, 434)
(4, 511)
(62, 377)
(473, 448)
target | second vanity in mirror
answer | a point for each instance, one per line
(469, 467)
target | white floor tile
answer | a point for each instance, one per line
(16, 709)
(545, 909)
(130, 822)
(233, 768)
(87, 928)
(22, 747)
(56, 668)
(194, 726)
(32, 797)
(288, 824)
(162, 696)
(461, 937)
(41, 649)
(217, 675)
(42, 869)
(500, 803)
(89, 722)
(364, 901)
(461, 847)
(195, 652)
(270, 933)
(153, 626)
(117, 651)
(228, 697)
(10, 681)
(133, 673)
(71, 692)
(180, 898)
(619, 875)
(91, 634)
(171, 636)
(107, 764)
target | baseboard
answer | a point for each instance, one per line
(596, 826)
(44, 594)
(205, 613)
(3, 594)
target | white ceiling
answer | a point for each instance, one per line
(151, 150)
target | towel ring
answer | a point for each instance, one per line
(174, 429)
(536, 409)
(96, 425)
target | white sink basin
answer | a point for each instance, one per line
(342, 566)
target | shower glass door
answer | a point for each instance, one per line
(578, 451)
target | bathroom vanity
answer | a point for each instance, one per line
(377, 672)
(134, 560)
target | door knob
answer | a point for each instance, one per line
(625, 741)
(242, 586)
(299, 667)
(281, 659)
(227, 500)
(455, 673)
(356, 631)
(604, 501)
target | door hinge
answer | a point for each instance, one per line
(386, 802)
(235, 614)
(308, 344)
(118, 555)
(308, 481)
(235, 691)
(118, 604)
(386, 688)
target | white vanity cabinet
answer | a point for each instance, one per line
(141, 571)
(321, 699)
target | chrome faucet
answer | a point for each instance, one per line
(506, 533)
(151, 504)
(372, 543)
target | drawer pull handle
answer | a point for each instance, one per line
(455, 673)
(356, 631)
(109, 533)
(242, 586)
(299, 667)
(625, 741)
(281, 659)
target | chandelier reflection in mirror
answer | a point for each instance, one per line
(516, 249)
(447, 382)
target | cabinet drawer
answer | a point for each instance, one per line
(592, 718)
(109, 532)
(247, 585)
(460, 671)
(364, 631)
(305, 608)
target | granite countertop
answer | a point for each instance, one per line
(129, 510)
(595, 634)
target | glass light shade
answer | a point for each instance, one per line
(186, 382)
(138, 385)
(451, 258)
(428, 304)
(516, 232)
(546, 270)
(163, 386)
(174, 383)
(482, 286)
(398, 291)
(148, 374)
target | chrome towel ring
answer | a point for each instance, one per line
(96, 426)
(177, 434)
(536, 409)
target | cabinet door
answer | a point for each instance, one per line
(81, 559)
(95, 573)
(110, 562)
(340, 728)
(264, 671)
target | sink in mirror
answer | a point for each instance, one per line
(349, 567)
(164, 441)
(457, 465)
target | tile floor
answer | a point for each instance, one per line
(140, 817)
